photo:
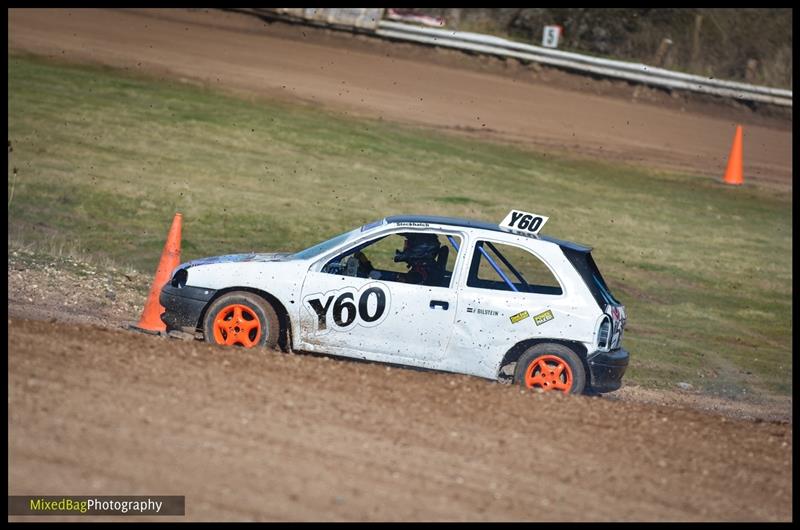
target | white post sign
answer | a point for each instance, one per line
(551, 36)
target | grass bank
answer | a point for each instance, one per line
(99, 161)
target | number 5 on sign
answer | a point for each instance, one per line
(551, 36)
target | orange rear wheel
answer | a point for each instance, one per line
(549, 372)
(551, 367)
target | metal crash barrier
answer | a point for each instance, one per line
(370, 20)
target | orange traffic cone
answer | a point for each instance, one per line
(170, 258)
(733, 174)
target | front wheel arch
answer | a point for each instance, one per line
(285, 336)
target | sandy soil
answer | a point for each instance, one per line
(440, 89)
(253, 435)
(262, 435)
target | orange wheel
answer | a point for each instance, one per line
(237, 325)
(241, 319)
(551, 367)
(549, 372)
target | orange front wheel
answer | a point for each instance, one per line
(241, 319)
(237, 325)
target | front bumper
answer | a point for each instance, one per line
(607, 368)
(183, 306)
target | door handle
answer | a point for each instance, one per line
(441, 303)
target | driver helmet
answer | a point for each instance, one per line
(418, 247)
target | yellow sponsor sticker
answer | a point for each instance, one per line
(541, 318)
(519, 316)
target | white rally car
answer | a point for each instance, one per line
(430, 292)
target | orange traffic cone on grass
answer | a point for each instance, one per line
(733, 174)
(170, 258)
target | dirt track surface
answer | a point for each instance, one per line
(253, 435)
(260, 435)
(369, 77)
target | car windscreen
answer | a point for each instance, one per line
(319, 248)
(587, 268)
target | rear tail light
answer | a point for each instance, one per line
(604, 334)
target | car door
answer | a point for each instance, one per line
(376, 316)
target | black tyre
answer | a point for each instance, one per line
(551, 367)
(241, 319)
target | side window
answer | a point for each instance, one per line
(407, 257)
(497, 266)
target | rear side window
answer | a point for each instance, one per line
(587, 268)
(503, 267)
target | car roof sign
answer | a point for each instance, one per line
(523, 222)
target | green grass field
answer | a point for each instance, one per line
(102, 160)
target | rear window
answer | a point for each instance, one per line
(503, 267)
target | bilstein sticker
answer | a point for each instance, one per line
(519, 316)
(479, 311)
(541, 318)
